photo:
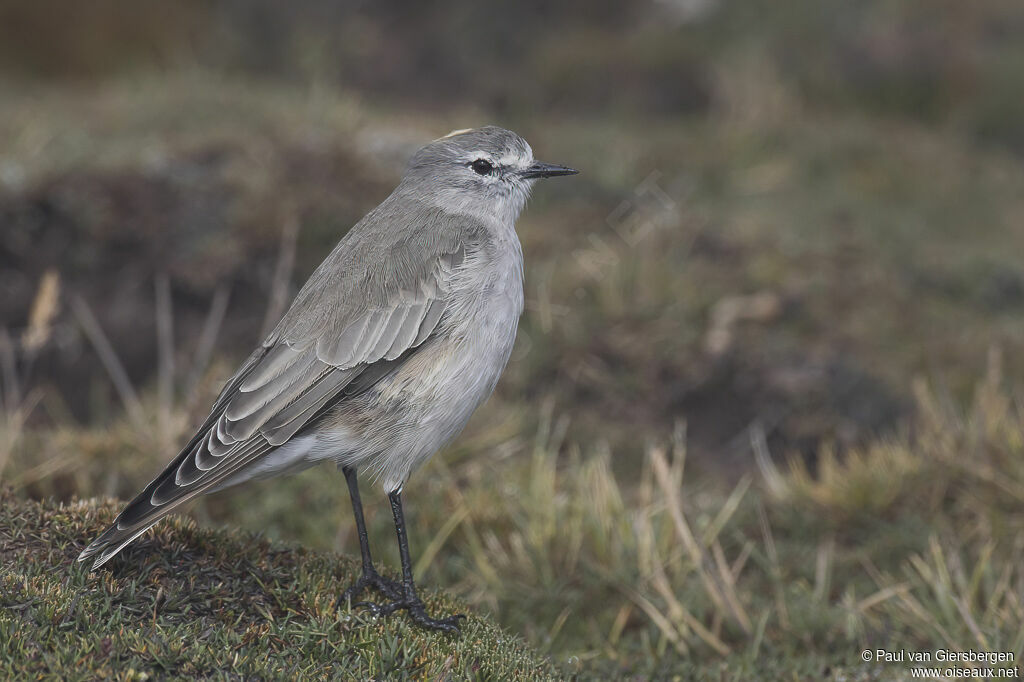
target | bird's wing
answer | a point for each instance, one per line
(320, 347)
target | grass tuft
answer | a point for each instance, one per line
(914, 540)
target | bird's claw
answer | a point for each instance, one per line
(389, 588)
(417, 612)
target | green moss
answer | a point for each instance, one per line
(187, 602)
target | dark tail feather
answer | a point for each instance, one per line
(160, 498)
(129, 524)
(109, 543)
(141, 513)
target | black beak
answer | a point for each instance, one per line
(545, 170)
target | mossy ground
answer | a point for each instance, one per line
(191, 603)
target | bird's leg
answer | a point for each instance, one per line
(370, 577)
(409, 600)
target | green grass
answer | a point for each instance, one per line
(910, 542)
(189, 603)
(836, 265)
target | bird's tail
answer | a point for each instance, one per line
(110, 542)
(142, 512)
(136, 518)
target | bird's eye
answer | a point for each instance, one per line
(482, 166)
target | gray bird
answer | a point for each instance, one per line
(397, 337)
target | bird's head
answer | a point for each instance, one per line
(489, 170)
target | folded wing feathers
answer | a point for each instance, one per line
(189, 470)
(283, 425)
(276, 361)
(169, 492)
(290, 388)
(388, 334)
(288, 384)
(247, 402)
(430, 319)
(207, 458)
(339, 351)
(218, 443)
(375, 326)
(219, 436)
(408, 331)
(278, 389)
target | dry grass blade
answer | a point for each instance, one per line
(437, 542)
(883, 595)
(732, 503)
(682, 617)
(774, 481)
(972, 624)
(42, 471)
(702, 563)
(281, 282)
(208, 337)
(999, 592)
(12, 426)
(619, 624)
(776, 570)
(115, 370)
(164, 351)
(727, 582)
(915, 609)
(989, 474)
(822, 569)
(43, 312)
(661, 584)
(663, 624)
(737, 565)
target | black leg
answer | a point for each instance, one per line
(370, 577)
(410, 601)
(357, 511)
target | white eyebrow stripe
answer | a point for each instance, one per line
(509, 159)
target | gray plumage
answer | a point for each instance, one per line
(397, 337)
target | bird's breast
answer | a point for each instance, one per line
(461, 363)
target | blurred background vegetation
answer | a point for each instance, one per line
(794, 254)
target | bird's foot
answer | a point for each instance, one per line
(418, 614)
(391, 589)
